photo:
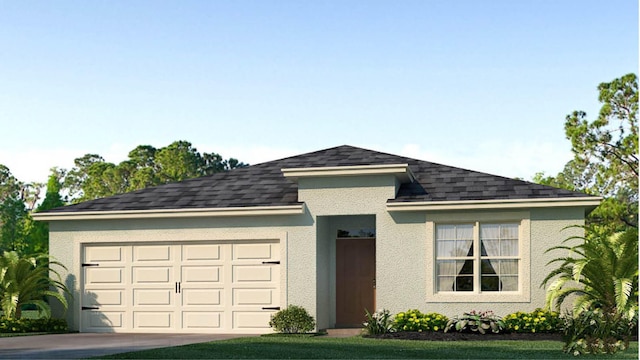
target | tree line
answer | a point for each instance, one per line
(92, 177)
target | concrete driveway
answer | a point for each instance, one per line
(84, 345)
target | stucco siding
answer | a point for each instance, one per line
(61, 248)
(293, 232)
(550, 227)
(404, 246)
(323, 272)
(401, 256)
(406, 272)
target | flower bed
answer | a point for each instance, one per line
(458, 336)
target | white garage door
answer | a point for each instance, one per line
(221, 287)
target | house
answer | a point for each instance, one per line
(336, 231)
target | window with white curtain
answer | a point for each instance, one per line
(477, 257)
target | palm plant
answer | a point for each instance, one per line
(27, 281)
(602, 271)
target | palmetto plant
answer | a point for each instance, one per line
(602, 271)
(27, 281)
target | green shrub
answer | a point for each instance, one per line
(32, 325)
(537, 321)
(414, 320)
(380, 322)
(476, 321)
(25, 281)
(597, 332)
(292, 320)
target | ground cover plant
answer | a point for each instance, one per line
(415, 320)
(380, 322)
(322, 347)
(476, 321)
(42, 325)
(597, 332)
(537, 321)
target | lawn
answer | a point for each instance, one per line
(362, 348)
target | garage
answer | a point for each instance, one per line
(190, 287)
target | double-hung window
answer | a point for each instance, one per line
(477, 257)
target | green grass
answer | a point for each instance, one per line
(362, 348)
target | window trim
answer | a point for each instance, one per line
(522, 218)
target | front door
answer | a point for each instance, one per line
(355, 280)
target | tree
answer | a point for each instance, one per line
(39, 234)
(16, 225)
(178, 161)
(605, 159)
(141, 167)
(27, 281)
(9, 185)
(76, 177)
(92, 177)
(15, 221)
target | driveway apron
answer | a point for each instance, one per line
(84, 345)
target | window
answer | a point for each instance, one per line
(477, 257)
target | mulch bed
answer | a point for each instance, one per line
(458, 336)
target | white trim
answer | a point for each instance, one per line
(493, 204)
(523, 295)
(401, 171)
(172, 213)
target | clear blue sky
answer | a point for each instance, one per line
(479, 84)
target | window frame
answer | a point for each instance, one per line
(476, 218)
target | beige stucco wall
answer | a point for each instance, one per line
(404, 275)
(295, 233)
(308, 245)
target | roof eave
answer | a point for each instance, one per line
(297, 209)
(589, 203)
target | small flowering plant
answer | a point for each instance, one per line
(537, 321)
(595, 331)
(380, 322)
(476, 321)
(414, 320)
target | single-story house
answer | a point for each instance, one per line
(336, 231)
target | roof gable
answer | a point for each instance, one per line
(265, 185)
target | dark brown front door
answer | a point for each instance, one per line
(355, 280)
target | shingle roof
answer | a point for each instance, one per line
(264, 185)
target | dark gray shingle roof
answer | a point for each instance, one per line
(264, 185)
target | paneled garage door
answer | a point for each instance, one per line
(221, 287)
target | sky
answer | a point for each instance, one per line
(479, 84)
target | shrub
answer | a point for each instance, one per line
(380, 322)
(292, 320)
(27, 281)
(476, 321)
(537, 321)
(597, 332)
(414, 320)
(601, 271)
(33, 325)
